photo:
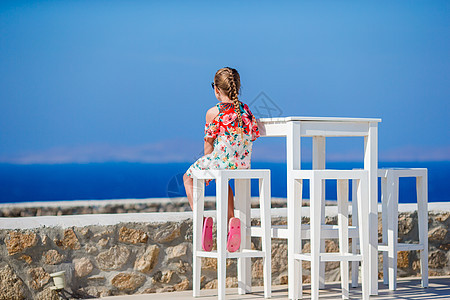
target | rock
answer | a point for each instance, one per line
(26, 258)
(83, 267)
(97, 291)
(18, 242)
(230, 282)
(47, 294)
(283, 280)
(132, 236)
(167, 233)
(403, 259)
(70, 241)
(167, 277)
(90, 249)
(182, 286)
(437, 259)
(166, 289)
(211, 285)
(149, 291)
(53, 257)
(444, 217)
(181, 267)
(147, 261)
(44, 239)
(405, 224)
(103, 242)
(437, 234)
(279, 257)
(11, 286)
(39, 278)
(85, 232)
(257, 268)
(128, 281)
(331, 246)
(113, 259)
(96, 278)
(176, 251)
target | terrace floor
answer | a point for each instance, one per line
(407, 288)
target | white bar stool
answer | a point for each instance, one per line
(242, 203)
(317, 180)
(389, 216)
(390, 245)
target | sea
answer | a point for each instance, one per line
(96, 181)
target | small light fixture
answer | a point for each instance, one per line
(58, 280)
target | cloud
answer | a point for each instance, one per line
(183, 150)
(158, 152)
(416, 153)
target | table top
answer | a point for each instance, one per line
(317, 119)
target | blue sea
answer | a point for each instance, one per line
(42, 182)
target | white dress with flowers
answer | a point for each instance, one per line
(231, 150)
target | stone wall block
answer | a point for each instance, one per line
(182, 286)
(53, 257)
(437, 259)
(83, 267)
(39, 277)
(167, 233)
(128, 281)
(11, 286)
(114, 258)
(69, 241)
(18, 242)
(147, 261)
(132, 236)
(176, 251)
(437, 234)
(47, 294)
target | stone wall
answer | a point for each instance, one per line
(133, 258)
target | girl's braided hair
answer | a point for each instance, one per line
(229, 82)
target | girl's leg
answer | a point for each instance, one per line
(230, 204)
(189, 187)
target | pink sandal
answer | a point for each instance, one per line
(234, 235)
(207, 241)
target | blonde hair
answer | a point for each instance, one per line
(229, 82)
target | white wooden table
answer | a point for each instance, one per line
(293, 128)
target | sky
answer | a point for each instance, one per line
(98, 81)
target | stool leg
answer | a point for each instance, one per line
(294, 241)
(384, 225)
(315, 221)
(363, 210)
(222, 216)
(392, 193)
(198, 187)
(342, 202)
(242, 205)
(355, 241)
(264, 198)
(319, 153)
(422, 209)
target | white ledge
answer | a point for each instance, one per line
(162, 217)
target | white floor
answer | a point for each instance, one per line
(408, 288)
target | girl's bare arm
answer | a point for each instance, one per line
(209, 142)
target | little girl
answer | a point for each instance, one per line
(229, 133)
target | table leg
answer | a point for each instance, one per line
(319, 154)
(371, 164)
(293, 163)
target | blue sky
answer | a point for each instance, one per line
(94, 81)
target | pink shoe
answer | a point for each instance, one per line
(234, 235)
(207, 241)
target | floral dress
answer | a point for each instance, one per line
(231, 150)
